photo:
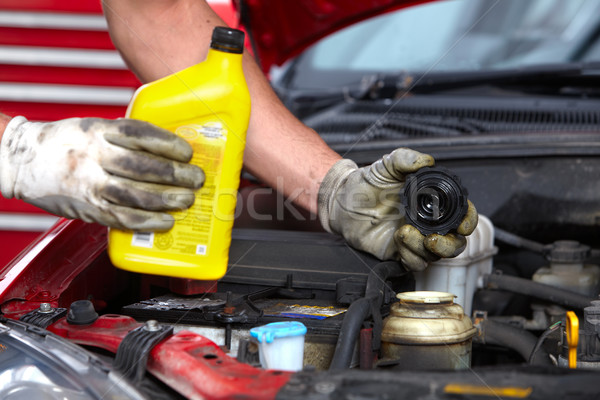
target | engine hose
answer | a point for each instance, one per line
(538, 290)
(356, 314)
(360, 310)
(517, 241)
(523, 243)
(517, 339)
(376, 282)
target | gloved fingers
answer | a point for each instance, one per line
(411, 260)
(408, 237)
(102, 212)
(140, 135)
(147, 196)
(447, 246)
(126, 218)
(405, 161)
(145, 167)
(417, 251)
(469, 222)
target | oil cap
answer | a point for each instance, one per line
(228, 40)
(434, 200)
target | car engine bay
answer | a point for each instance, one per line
(374, 330)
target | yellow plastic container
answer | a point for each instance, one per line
(208, 104)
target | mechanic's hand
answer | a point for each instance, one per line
(121, 173)
(364, 206)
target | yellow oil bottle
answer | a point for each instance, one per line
(207, 104)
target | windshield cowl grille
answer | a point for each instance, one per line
(365, 121)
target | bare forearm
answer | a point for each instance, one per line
(4, 120)
(159, 37)
(281, 150)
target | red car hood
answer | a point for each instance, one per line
(280, 29)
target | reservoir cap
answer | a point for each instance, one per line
(435, 200)
(228, 40)
(426, 297)
(268, 333)
(567, 251)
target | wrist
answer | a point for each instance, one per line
(4, 120)
(9, 146)
(333, 180)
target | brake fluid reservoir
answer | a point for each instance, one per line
(567, 268)
(462, 275)
(426, 330)
(207, 104)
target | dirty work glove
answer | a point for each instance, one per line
(121, 173)
(364, 206)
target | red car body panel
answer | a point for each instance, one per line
(280, 29)
(191, 364)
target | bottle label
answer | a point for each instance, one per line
(195, 225)
(143, 239)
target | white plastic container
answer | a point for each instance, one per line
(462, 275)
(567, 269)
(281, 345)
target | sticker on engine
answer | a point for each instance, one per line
(300, 311)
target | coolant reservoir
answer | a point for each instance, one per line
(567, 268)
(462, 275)
(426, 330)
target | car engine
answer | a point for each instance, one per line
(519, 306)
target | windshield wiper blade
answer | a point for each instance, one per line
(550, 75)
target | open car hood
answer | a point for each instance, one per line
(280, 29)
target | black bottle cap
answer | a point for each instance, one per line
(81, 312)
(434, 200)
(228, 40)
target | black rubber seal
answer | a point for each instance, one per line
(43, 320)
(81, 312)
(434, 200)
(132, 355)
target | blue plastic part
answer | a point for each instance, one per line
(268, 333)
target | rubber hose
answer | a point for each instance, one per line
(517, 339)
(538, 290)
(360, 310)
(376, 282)
(356, 314)
(517, 241)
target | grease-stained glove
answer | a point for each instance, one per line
(121, 173)
(364, 206)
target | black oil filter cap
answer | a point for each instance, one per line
(228, 40)
(434, 200)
